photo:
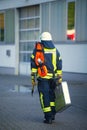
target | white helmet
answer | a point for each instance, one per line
(46, 36)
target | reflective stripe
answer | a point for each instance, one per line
(47, 109)
(54, 59)
(33, 70)
(32, 56)
(52, 104)
(45, 77)
(59, 72)
(48, 76)
(41, 100)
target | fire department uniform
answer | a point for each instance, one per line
(46, 84)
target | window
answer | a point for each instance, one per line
(71, 21)
(1, 27)
(29, 30)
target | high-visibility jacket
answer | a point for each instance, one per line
(53, 61)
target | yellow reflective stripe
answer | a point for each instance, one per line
(53, 52)
(52, 104)
(54, 59)
(33, 70)
(45, 77)
(41, 100)
(59, 72)
(47, 109)
(32, 56)
(48, 76)
(51, 74)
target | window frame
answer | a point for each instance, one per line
(27, 41)
(3, 12)
(67, 40)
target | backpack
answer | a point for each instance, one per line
(40, 59)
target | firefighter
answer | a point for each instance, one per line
(46, 84)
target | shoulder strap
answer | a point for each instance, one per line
(39, 54)
(39, 46)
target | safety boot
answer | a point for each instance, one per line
(48, 121)
(53, 117)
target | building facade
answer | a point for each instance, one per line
(21, 23)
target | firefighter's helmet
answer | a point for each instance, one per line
(45, 36)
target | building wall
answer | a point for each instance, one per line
(53, 19)
(74, 57)
(7, 54)
(7, 47)
(73, 52)
(81, 20)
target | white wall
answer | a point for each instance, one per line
(24, 68)
(74, 57)
(6, 60)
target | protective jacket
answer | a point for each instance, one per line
(53, 61)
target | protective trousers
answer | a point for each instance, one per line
(47, 97)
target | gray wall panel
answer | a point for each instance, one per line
(45, 17)
(81, 20)
(53, 19)
(5, 70)
(9, 26)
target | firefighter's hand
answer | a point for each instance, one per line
(33, 82)
(59, 79)
(33, 79)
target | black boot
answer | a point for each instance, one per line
(48, 121)
(53, 117)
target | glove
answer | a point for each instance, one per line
(33, 83)
(33, 80)
(59, 79)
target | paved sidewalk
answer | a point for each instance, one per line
(20, 111)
